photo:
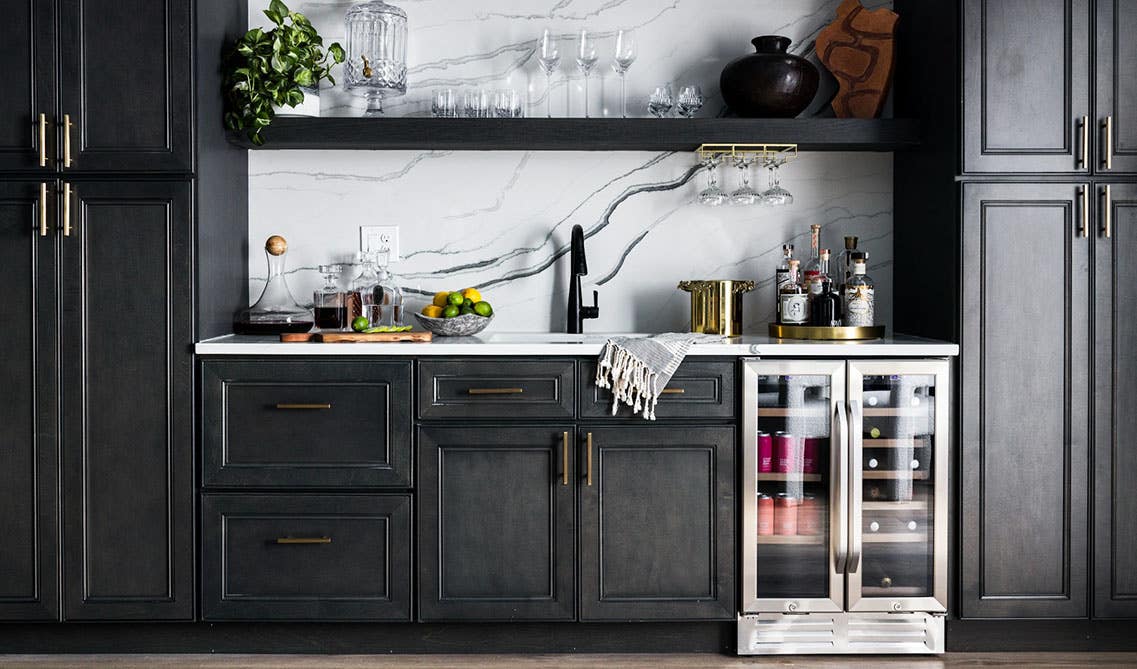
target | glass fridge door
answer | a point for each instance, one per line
(898, 507)
(795, 477)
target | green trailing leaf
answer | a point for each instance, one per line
(264, 69)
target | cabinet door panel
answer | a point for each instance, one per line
(1117, 85)
(496, 524)
(657, 524)
(1024, 413)
(1115, 404)
(27, 49)
(127, 397)
(1026, 85)
(28, 442)
(127, 84)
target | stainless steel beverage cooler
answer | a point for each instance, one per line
(845, 506)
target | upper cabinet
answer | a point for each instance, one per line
(1026, 83)
(1117, 86)
(101, 86)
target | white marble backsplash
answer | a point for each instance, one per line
(501, 220)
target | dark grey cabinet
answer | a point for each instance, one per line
(27, 48)
(126, 389)
(1025, 408)
(29, 552)
(1116, 81)
(1115, 405)
(496, 510)
(657, 523)
(698, 390)
(1027, 86)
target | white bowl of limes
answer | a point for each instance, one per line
(461, 313)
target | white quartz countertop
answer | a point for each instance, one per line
(512, 344)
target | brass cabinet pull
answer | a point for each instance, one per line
(43, 210)
(564, 459)
(67, 140)
(588, 458)
(1107, 158)
(1083, 223)
(66, 210)
(303, 541)
(495, 391)
(1084, 160)
(673, 391)
(43, 140)
(1107, 212)
(304, 407)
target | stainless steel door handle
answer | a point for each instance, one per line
(855, 492)
(839, 466)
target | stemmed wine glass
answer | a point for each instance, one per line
(712, 195)
(549, 56)
(776, 196)
(625, 56)
(586, 58)
(744, 195)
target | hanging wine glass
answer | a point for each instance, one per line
(776, 196)
(744, 194)
(712, 195)
(549, 56)
(625, 56)
(586, 58)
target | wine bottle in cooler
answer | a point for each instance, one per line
(782, 277)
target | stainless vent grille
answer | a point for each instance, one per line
(829, 633)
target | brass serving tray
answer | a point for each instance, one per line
(849, 333)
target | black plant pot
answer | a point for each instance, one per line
(770, 83)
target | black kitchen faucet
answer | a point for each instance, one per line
(578, 268)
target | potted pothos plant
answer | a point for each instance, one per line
(269, 70)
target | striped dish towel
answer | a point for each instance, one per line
(637, 369)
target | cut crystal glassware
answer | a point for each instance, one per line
(376, 63)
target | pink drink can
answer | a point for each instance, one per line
(811, 450)
(785, 514)
(765, 515)
(809, 516)
(765, 452)
(784, 456)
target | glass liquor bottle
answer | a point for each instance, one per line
(845, 262)
(329, 305)
(392, 298)
(276, 312)
(793, 299)
(859, 307)
(781, 277)
(813, 266)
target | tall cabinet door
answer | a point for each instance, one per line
(127, 398)
(795, 476)
(27, 49)
(1117, 86)
(495, 527)
(1024, 412)
(29, 552)
(1115, 406)
(1026, 67)
(127, 84)
(657, 523)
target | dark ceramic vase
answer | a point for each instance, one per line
(770, 83)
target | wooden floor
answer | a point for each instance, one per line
(950, 661)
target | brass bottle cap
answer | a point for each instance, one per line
(276, 245)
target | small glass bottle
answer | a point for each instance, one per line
(845, 261)
(859, 308)
(793, 299)
(329, 306)
(813, 266)
(781, 276)
(392, 297)
(816, 285)
(823, 305)
(366, 297)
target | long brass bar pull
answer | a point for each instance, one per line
(67, 140)
(1107, 157)
(564, 459)
(1107, 211)
(1083, 161)
(66, 210)
(42, 140)
(303, 407)
(588, 458)
(673, 391)
(303, 541)
(495, 391)
(1083, 222)
(43, 210)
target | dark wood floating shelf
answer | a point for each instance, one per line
(581, 134)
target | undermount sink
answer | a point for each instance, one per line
(554, 337)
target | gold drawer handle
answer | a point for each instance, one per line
(588, 458)
(673, 391)
(43, 140)
(564, 459)
(67, 140)
(304, 407)
(303, 541)
(495, 391)
(43, 210)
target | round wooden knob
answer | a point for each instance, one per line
(276, 245)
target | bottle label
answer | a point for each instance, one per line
(795, 308)
(859, 306)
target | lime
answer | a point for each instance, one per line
(360, 323)
(483, 309)
(467, 303)
(468, 311)
(456, 299)
(451, 311)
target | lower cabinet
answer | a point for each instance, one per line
(306, 557)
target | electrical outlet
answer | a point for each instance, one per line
(380, 238)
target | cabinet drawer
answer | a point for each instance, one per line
(296, 424)
(697, 390)
(306, 557)
(496, 388)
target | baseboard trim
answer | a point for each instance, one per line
(1041, 635)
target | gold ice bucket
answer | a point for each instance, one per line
(716, 306)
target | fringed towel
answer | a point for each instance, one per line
(637, 369)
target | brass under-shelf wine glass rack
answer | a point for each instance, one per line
(758, 153)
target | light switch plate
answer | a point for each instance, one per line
(380, 238)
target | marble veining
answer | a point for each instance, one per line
(501, 220)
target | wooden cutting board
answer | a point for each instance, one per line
(351, 337)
